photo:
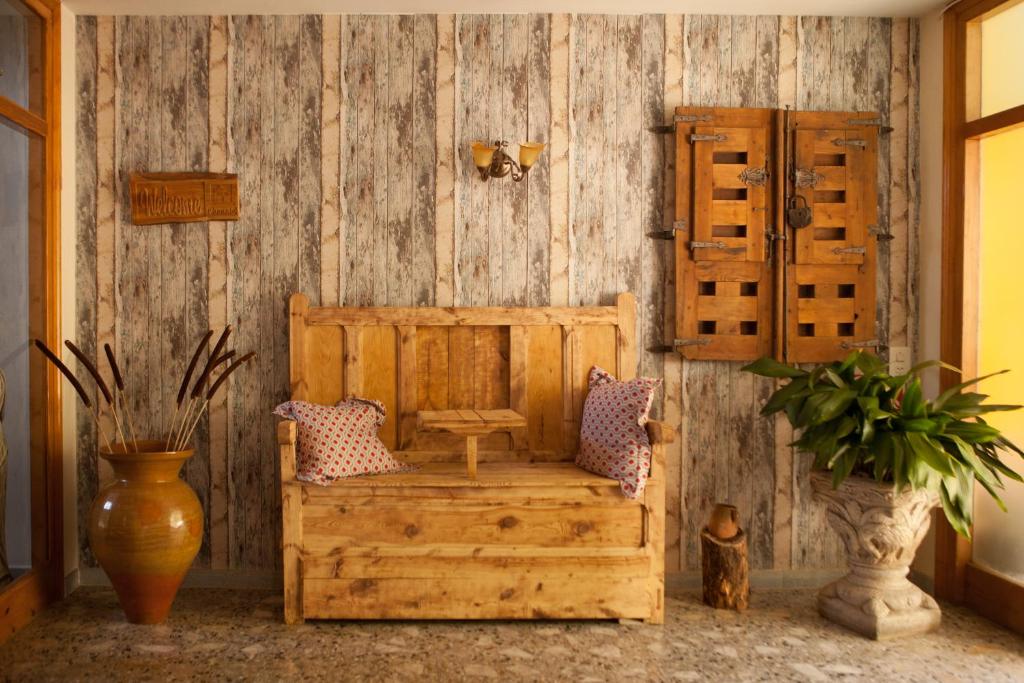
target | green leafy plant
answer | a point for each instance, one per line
(857, 419)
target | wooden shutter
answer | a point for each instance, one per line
(723, 210)
(830, 268)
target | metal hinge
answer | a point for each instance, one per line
(701, 137)
(854, 142)
(676, 343)
(668, 233)
(860, 344)
(681, 118)
(716, 245)
(882, 128)
(849, 250)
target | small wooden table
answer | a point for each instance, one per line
(471, 424)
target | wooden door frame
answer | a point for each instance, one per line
(44, 582)
(956, 578)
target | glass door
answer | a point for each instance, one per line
(31, 558)
(983, 239)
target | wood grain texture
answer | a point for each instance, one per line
(308, 110)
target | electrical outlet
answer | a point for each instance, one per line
(899, 360)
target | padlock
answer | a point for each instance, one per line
(798, 216)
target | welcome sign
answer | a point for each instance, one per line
(183, 197)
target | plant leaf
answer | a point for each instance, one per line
(769, 367)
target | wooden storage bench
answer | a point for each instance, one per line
(532, 536)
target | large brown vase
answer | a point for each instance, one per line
(146, 528)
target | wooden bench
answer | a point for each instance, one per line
(532, 536)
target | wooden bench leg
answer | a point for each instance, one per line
(291, 517)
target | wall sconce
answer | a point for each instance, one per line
(493, 162)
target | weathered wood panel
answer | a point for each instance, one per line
(350, 137)
(86, 76)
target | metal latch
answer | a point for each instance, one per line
(849, 250)
(676, 343)
(772, 237)
(669, 233)
(707, 245)
(860, 344)
(702, 137)
(853, 142)
(755, 177)
(880, 234)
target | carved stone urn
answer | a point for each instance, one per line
(881, 530)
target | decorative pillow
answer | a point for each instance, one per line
(613, 439)
(339, 441)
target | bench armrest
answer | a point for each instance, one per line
(286, 431)
(660, 432)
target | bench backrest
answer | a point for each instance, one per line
(532, 360)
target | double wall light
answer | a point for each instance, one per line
(493, 162)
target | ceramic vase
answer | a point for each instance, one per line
(881, 529)
(145, 528)
(724, 521)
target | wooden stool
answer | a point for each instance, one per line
(726, 572)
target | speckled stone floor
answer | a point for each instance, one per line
(238, 635)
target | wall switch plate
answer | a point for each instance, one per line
(899, 360)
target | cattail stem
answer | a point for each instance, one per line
(170, 429)
(119, 393)
(192, 402)
(211, 392)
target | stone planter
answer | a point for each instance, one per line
(881, 530)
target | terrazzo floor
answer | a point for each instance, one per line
(238, 635)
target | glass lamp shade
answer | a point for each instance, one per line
(528, 153)
(483, 154)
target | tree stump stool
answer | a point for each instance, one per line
(726, 571)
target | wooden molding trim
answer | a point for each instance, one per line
(995, 597)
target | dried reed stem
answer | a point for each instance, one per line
(213, 390)
(119, 383)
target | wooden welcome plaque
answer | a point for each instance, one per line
(183, 197)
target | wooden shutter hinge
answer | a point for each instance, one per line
(668, 233)
(702, 137)
(681, 118)
(882, 128)
(877, 343)
(715, 245)
(676, 343)
(855, 142)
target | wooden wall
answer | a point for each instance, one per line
(350, 135)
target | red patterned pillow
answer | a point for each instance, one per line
(613, 439)
(339, 441)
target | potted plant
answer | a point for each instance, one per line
(884, 456)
